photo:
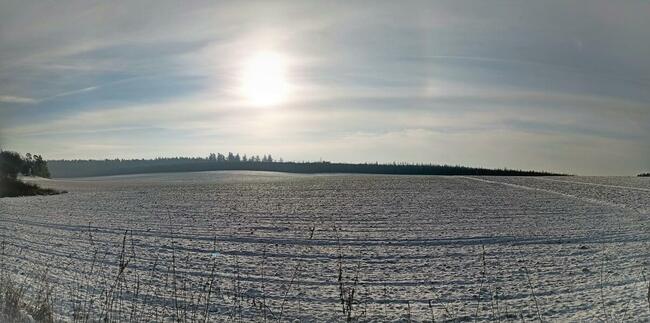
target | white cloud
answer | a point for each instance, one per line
(17, 99)
(427, 82)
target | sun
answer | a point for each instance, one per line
(264, 79)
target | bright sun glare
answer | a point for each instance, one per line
(264, 79)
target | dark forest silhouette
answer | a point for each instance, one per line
(12, 164)
(231, 161)
(644, 175)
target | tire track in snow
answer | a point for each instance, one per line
(595, 184)
(584, 199)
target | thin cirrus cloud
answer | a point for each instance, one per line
(527, 85)
(16, 99)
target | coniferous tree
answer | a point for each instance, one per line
(10, 164)
(40, 167)
(28, 164)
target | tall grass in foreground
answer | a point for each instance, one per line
(121, 296)
(15, 305)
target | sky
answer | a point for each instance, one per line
(548, 85)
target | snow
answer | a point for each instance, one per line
(411, 247)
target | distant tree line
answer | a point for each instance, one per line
(644, 175)
(232, 161)
(218, 157)
(12, 164)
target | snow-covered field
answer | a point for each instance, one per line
(269, 246)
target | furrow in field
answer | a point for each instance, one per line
(594, 184)
(410, 239)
